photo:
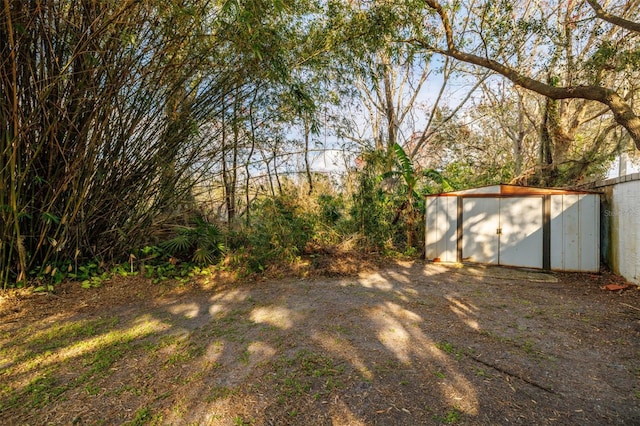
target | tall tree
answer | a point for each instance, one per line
(102, 132)
(514, 25)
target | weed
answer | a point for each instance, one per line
(445, 347)
(43, 390)
(292, 386)
(218, 392)
(95, 280)
(331, 384)
(239, 421)
(439, 374)
(128, 389)
(142, 416)
(342, 329)
(452, 416)
(317, 365)
(63, 334)
(100, 361)
(301, 374)
(92, 390)
(244, 357)
(185, 354)
(527, 346)
(481, 373)
(450, 349)
(179, 409)
(386, 367)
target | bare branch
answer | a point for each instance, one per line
(613, 19)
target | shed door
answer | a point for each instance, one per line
(503, 231)
(521, 238)
(480, 222)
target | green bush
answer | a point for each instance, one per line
(201, 242)
(280, 231)
(331, 209)
(372, 210)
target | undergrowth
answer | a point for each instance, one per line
(291, 232)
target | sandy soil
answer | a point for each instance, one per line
(407, 344)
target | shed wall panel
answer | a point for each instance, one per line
(510, 230)
(441, 228)
(431, 232)
(570, 227)
(575, 232)
(557, 237)
(589, 233)
(625, 219)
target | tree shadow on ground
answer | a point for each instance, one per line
(410, 344)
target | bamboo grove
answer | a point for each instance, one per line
(99, 123)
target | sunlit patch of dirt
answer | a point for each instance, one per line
(404, 344)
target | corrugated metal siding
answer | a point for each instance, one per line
(521, 222)
(575, 237)
(503, 231)
(625, 231)
(441, 228)
(480, 220)
(512, 229)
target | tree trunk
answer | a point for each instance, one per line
(307, 165)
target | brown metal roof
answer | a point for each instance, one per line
(509, 190)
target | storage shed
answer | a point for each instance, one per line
(543, 228)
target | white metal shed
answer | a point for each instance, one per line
(544, 228)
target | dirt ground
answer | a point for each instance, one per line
(406, 344)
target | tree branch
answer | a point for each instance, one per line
(613, 19)
(624, 115)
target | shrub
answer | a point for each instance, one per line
(280, 232)
(201, 242)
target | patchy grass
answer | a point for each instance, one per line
(382, 348)
(306, 373)
(451, 417)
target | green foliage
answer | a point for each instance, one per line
(461, 175)
(95, 280)
(611, 56)
(372, 210)
(306, 373)
(142, 417)
(437, 177)
(202, 242)
(43, 389)
(331, 209)
(126, 104)
(451, 417)
(280, 231)
(90, 274)
(406, 166)
(403, 194)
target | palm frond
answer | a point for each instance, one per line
(179, 243)
(405, 162)
(437, 177)
(203, 256)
